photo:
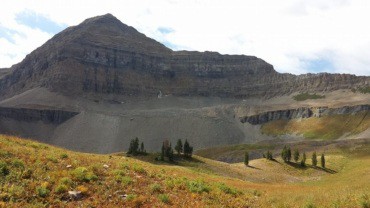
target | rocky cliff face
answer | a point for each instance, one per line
(50, 116)
(303, 112)
(104, 56)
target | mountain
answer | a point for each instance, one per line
(95, 86)
(104, 56)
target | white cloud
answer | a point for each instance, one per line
(284, 33)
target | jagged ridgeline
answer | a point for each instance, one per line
(96, 86)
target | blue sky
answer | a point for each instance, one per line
(296, 36)
(38, 21)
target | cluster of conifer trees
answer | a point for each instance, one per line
(184, 150)
(134, 148)
(286, 155)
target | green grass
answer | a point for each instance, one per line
(30, 179)
(307, 96)
(364, 90)
(325, 128)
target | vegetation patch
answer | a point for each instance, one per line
(164, 198)
(363, 90)
(83, 175)
(326, 127)
(307, 96)
(198, 186)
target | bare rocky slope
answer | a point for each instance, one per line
(119, 84)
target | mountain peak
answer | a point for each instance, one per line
(108, 31)
(103, 19)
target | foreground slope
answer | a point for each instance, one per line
(35, 175)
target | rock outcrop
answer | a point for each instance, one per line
(104, 56)
(303, 112)
(51, 116)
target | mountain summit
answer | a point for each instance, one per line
(104, 56)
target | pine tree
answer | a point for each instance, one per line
(170, 154)
(269, 155)
(323, 160)
(284, 154)
(289, 154)
(134, 147)
(179, 147)
(162, 152)
(246, 158)
(314, 159)
(303, 161)
(130, 148)
(188, 150)
(296, 155)
(142, 150)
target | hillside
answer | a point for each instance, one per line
(95, 86)
(35, 175)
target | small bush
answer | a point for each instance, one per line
(365, 201)
(139, 169)
(130, 197)
(18, 164)
(61, 189)
(4, 170)
(126, 180)
(198, 187)
(164, 198)
(42, 191)
(27, 174)
(309, 205)
(65, 181)
(52, 159)
(63, 156)
(156, 188)
(82, 174)
(118, 175)
(228, 190)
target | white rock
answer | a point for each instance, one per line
(75, 194)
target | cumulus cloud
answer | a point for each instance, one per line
(296, 36)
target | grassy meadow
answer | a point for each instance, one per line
(324, 128)
(38, 175)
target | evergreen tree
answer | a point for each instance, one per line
(134, 147)
(296, 155)
(188, 150)
(162, 152)
(130, 148)
(179, 147)
(303, 161)
(314, 159)
(289, 154)
(269, 155)
(170, 154)
(323, 160)
(246, 158)
(284, 154)
(142, 150)
(167, 150)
